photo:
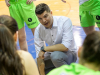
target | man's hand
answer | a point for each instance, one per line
(41, 54)
(29, 1)
(63, 1)
(7, 2)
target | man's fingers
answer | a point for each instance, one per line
(41, 57)
(64, 1)
(8, 5)
(29, 2)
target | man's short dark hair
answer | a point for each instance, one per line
(40, 8)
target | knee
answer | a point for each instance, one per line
(56, 56)
(22, 37)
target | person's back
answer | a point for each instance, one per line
(28, 62)
(73, 69)
(89, 58)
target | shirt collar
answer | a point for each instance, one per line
(54, 22)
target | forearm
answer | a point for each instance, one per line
(41, 66)
(57, 47)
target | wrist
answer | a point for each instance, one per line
(43, 49)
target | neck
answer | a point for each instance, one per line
(91, 66)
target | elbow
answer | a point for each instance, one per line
(65, 49)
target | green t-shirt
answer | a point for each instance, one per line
(73, 69)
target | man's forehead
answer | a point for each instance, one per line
(42, 15)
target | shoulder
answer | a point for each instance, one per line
(28, 62)
(23, 54)
(61, 18)
(26, 58)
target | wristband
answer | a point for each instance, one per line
(42, 48)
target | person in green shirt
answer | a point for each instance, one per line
(89, 58)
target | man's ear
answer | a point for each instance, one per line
(79, 51)
(16, 36)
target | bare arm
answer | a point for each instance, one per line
(57, 47)
(41, 66)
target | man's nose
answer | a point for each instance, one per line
(44, 20)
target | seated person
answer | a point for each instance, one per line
(56, 31)
(89, 58)
(13, 61)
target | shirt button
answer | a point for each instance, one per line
(52, 35)
(53, 41)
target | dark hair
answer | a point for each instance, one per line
(91, 48)
(41, 8)
(10, 61)
(9, 22)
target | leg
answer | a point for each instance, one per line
(33, 30)
(22, 39)
(31, 19)
(20, 21)
(41, 66)
(88, 30)
(59, 58)
(87, 21)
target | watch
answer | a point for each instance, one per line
(42, 48)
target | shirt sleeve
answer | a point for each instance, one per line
(67, 37)
(37, 41)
